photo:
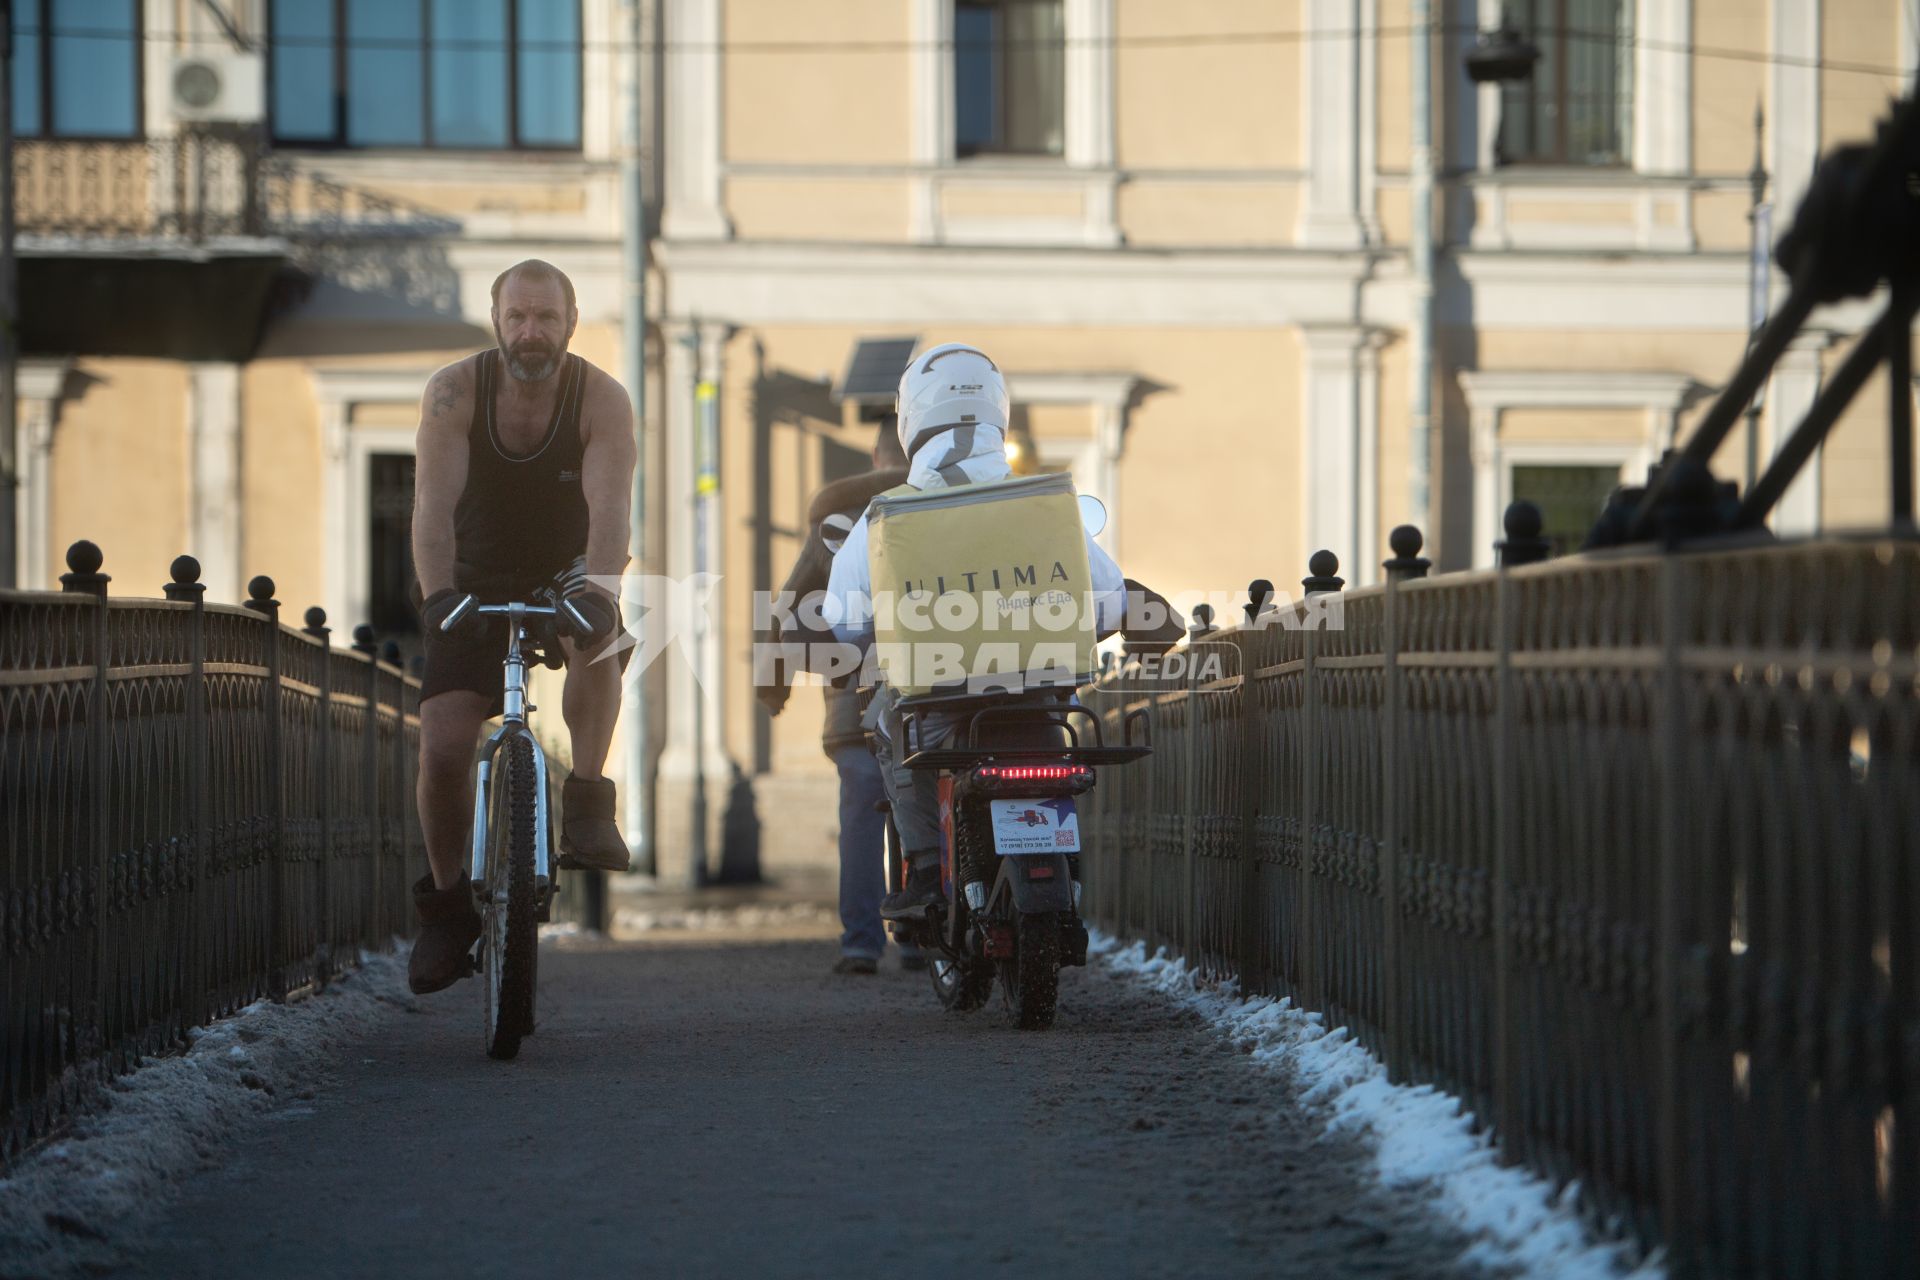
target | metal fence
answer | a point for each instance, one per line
(1623, 852)
(200, 807)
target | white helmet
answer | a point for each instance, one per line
(950, 385)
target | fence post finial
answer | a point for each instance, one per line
(1202, 623)
(1523, 543)
(1323, 569)
(83, 562)
(316, 620)
(390, 653)
(260, 598)
(186, 584)
(1259, 594)
(1407, 561)
(363, 639)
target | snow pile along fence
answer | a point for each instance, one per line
(1622, 850)
(200, 806)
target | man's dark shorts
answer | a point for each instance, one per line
(473, 659)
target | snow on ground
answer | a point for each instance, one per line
(1422, 1140)
(67, 1206)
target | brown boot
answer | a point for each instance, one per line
(449, 926)
(589, 839)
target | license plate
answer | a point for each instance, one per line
(1035, 826)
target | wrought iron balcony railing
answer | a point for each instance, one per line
(195, 187)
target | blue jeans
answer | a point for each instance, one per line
(862, 853)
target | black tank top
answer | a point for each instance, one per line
(523, 517)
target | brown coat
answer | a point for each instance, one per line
(847, 497)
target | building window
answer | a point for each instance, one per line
(1577, 107)
(1009, 77)
(485, 74)
(76, 68)
(1570, 499)
(390, 548)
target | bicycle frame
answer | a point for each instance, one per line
(513, 725)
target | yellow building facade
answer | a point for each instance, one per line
(1184, 231)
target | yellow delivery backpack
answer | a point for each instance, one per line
(982, 586)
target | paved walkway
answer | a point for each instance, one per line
(712, 1104)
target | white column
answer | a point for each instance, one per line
(692, 700)
(1793, 112)
(1089, 104)
(713, 655)
(213, 522)
(1662, 87)
(693, 208)
(1330, 61)
(930, 26)
(38, 386)
(1367, 132)
(1488, 481)
(1907, 37)
(1365, 564)
(337, 533)
(676, 751)
(1342, 360)
(1790, 393)
(1109, 429)
(1089, 111)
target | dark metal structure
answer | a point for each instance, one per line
(1856, 232)
(1624, 851)
(199, 806)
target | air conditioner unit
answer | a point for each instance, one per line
(217, 87)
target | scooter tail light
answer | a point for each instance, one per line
(1028, 774)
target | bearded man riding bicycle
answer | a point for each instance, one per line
(523, 478)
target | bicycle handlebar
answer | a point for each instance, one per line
(530, 610)
(471, 605)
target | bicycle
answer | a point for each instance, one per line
(512, 865)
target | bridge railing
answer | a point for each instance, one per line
(200, 806)
(1622, 851)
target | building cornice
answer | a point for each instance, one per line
(1501, 389)
(42, 379)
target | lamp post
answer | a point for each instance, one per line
(638, 815)
(9, 312)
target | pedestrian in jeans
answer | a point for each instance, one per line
(863, 939)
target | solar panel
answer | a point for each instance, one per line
(874, 368)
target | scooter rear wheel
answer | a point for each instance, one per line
(1030, 981)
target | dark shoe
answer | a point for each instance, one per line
(449, 926)
(921, 891)
(856, 964)
(589, 839)
(915, 963)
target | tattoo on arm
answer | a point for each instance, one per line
(446, 391)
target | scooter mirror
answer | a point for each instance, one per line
(1093, 514)
(834, 530)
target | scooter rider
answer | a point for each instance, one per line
(952, 410)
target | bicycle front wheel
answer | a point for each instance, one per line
(511, 940)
